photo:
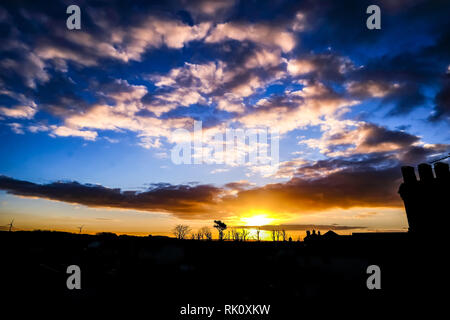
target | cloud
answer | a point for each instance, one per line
(287, 169)
(22, 108)
(121, 91)
(264, 58)
(360, 180)
(263, 34)
(323, 66)
(360, 137)
(18, 112)
(27, 65)
(442, 102)
(371, 89)
(303, 227)
(119, 42)
(297, 109)
(16, 127)
(208, 9)
(239, 185)
(184, 201)
(64, 131)
(160, 67)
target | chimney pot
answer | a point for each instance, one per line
(441, 170)
(425, 172)
(409, 175)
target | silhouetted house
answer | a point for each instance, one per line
(426, 200)
(330, 235)
(311, 236)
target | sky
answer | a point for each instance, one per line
(90, 118)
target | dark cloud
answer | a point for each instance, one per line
(239, 185)
(359, 180)
(327, 67)
(442, 102)
(378, 135)
(181, 200)
(303, 227)
(362, 180)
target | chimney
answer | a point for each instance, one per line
(408, 174)
(425, 172)
(441, 170)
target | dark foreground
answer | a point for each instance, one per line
(160, 275)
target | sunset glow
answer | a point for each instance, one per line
(257, 220)
(165, 113)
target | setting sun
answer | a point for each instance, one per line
(257, 220)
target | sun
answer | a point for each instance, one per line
(257, 220)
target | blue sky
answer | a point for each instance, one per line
(94, 110)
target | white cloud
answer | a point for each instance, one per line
(121, 43)
(64, 131)
(16, 128)
(18, 112)
(300, 66)
(371, 88)
(263, 34)
(26, 108)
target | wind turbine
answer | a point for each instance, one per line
(81, 228)
(11, 225)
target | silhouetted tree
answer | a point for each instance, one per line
(258, 232)
(244, 234)
(221, 227)
(283, 235)
(206, 232)
(181, 231)
(276, 235)
(236, 235)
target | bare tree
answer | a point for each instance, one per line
(244, 234)
(181, 231)
(235, 235)
(206, 232)
(284, 235)
(221, 227)
(258, 232)
(276, 235)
